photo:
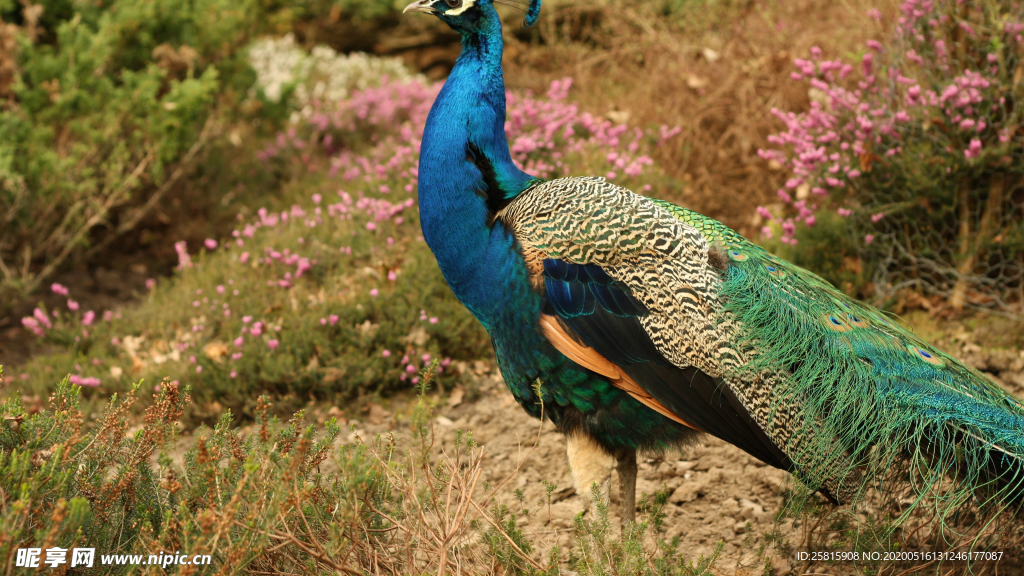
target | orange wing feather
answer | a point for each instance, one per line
(589, 358)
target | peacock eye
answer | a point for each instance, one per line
(453, 3)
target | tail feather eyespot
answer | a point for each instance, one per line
(836, 323)
(857, 321)
(926, 356)
(736, 255)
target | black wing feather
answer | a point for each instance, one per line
(604, 315)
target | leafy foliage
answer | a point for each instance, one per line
(106, 107)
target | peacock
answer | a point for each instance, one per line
(635, 325)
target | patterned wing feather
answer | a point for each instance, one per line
(812, 378)
(615, 331)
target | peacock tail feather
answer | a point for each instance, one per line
(893, 401)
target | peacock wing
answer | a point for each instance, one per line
(626, 279)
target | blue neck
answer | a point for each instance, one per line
(466, 173)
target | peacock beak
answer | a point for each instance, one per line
(420, 6)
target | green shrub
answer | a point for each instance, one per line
(107, 107)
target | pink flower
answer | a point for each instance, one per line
(239, 342)
(220, 289)
(236, 355)
(210, 244)
(244, 257)
(58, 289)
(42, 317)
(88, 318)
(433, 320)
(233, 374)
(374, 292)
(869, 238)
(199, 369)
(273, 344)
(72, 305)
(150, 283)
(317, 198)
(410, 368)
(32, 325)
(246, 319)
(386, 353)
(80, 381)
(184, 260)
(392, 276)
(974, 149)
(332, 319)
(256, 329)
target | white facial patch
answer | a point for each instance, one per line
(466, 5)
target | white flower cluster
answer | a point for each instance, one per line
(322, 76)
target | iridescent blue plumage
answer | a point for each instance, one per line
(466, 175)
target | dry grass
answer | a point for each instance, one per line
(657, 69)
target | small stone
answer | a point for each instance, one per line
(376, 413)
(562, 514)
(780, 565)
(682, 467)
(689, 491)
(754, 513)
(740, 528)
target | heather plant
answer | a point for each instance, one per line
(258, 501)
(330, 292)
(913, 158)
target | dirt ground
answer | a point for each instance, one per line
(717, 491)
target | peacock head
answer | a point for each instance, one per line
(468, 16)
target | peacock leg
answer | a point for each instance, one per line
(626, 460)
(590, 466)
